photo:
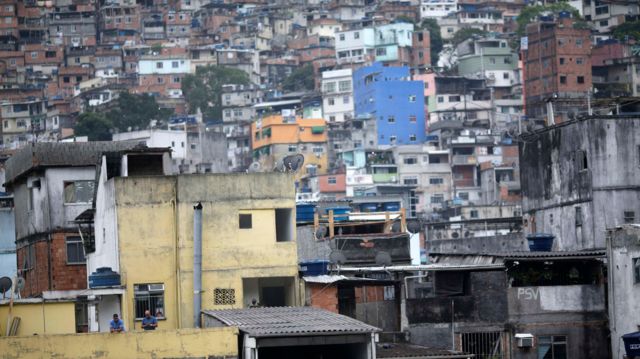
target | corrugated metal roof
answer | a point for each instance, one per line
(551, 255)
(290, 321)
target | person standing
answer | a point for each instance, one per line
(116, 325)
(149, 322)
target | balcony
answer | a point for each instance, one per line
(464, 160)
(385, 178)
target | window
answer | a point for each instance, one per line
(160, 80)
(412, 98)
(629, 216)
(506, 60)
(454, 98)
(636, 270)
(437, 198)
(492, 60)
(581, 158)
(224, 296)
(330, 87)
(552, 347)
(410, 181)
(410, 160)
(159, 65)
(174, 64)
(341, 36)
(332, 180)
(356, 35)
(392, 139)
(293, 148)
(381, 51)
(332, 118)
(176, 80)
(66, 79)
(579, 61)
(345, 100)
(391, 119)
(436, 180)
(413, 138)
(318, 150)
(563, 80)
(580, 79)
(440, 99)
(562, 61)
(463, 196)
(331, 101)
(344, 86)
(78, 191)
(34, 55)
(473, 213)
(579, 42)
(578, 216)
(505, 75)
(285, 226)
(75, 250)
(245, 220)
(412, 119)
(149, 297)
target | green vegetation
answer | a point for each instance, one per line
(300, 80)
(204, 89)
(627, 31)
(466, 33)
(530, 13)
(435, 37)
(94, 125)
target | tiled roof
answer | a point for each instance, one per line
(289, 321)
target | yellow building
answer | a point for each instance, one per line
(144, 228)
(276, 136)
(38, 316)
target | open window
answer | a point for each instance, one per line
(149, 297)
(284, 224)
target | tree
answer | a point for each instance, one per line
(300, 80)
(627, 31)
(94, 125)
(204, 89)
(530, 13)
(436, 38)
(466, 33)
(136, 112)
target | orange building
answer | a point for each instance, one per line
(276, 136)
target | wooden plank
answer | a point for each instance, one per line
(387, 222)
(403, 220)
(331, 227)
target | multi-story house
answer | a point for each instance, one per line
(437, 8)
(605, 15)
(162, 74)
(459, 102)
(576, 188)
(108, 63)
(153, 25)
(71, 76)
(248, 243)
(178, 24)
(22, 115)
(9, 18)
(491, 59)
(119, 24)
(247, 60)
(73, 25)
(32, 23)
(615, 70)
(355, 46)
(388, 97)
(337, 95)
(557, 70)
(276, 136)
(8, 264)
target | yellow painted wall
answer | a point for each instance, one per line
(41, 318)
(150, 229)
(182, 343)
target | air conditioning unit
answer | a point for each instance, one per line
(524, 340)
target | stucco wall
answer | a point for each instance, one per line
(184, 343)
(39, 318)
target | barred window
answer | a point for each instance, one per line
(224, 296)
(75, 252)
(149, 297)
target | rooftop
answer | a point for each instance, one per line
(289, 321)
(405, 350)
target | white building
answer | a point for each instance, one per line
(605, 15)
(163, 65)
(355, 46)
(437, 8)
(337, 95)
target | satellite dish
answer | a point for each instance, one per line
(337, 257)
(413, 226)
(5, 285)
(383, 259)
(293, 163)
(19, 284)
(254, 167)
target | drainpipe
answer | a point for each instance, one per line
(197, 263)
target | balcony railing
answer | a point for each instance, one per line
(462, 160)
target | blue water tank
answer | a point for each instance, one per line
(104, 277)
(540, 242)
(632, 344)
(305, 212)
(339, 213)
(391, 206)
(368, 207)
(314, 268)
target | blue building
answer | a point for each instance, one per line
(387, 95)
(7, 237)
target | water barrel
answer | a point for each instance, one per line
(304, 212)
(391, 206)
(368, 207)
(632, 344)
(339, 213)
(104, 277)
(314, 268)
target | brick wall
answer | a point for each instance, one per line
(323, 296)
(63, 276)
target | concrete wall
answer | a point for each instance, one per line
(553, 184)
(309, 249)
(184, 343)
(38, 317)
(509, 243)
(154, 217)
(546, 299)
(624, 313)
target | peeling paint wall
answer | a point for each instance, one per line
(183, 343)
(557, 189)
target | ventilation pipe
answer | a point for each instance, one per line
(197, 263)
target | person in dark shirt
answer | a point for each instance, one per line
(149, 322)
